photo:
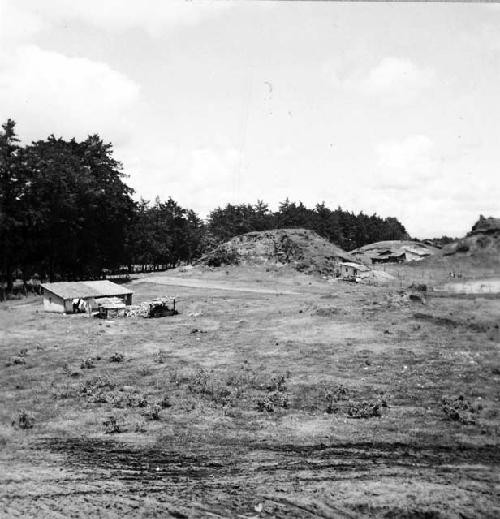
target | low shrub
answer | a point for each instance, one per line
(117, 357)
(161, 357)
(222, 256)
(100, 397)
(111, 425)
(365, 409)
(96, 389)
(153, 412)
(15, 361)
(25, 420)
(419, 287)
(333, 395)
(272, 401)
(459, 409)
(140, 427)
(165, 402)
(278, 383)
(141, 401)
(88, 363)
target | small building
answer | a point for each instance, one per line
(347, 269)
(59, 296)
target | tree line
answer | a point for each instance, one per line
(344, 228)
(67, 213)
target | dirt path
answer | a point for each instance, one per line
(201, 283)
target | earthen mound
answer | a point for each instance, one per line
(302, 249)
(483, 239)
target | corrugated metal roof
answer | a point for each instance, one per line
(84, 289)
(354, 265)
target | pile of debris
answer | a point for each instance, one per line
(160, 307)
(394, 251)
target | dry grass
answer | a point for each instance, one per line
(307, 412)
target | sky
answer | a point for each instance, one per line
(383, 108)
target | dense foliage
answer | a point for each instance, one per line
(343, 228)
(67, 213)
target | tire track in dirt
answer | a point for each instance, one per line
(227, 480)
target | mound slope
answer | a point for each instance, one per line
(483, 239)
(302, 249)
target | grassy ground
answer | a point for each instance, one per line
(307, 399)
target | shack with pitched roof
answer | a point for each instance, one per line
(59, 296)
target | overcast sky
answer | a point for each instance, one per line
(386, 108)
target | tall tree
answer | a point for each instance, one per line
(10, 190)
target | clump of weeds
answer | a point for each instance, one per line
(459, 409)
(365, 410)
(278, 383)
(25, 420)
(111, 425)
(97, 390)
(272, 401)
(276, 396)
(140, 427)
(212, 387)
(161, 357)
(15, 360)
(153, 412)
(333, 395)
(165, 402)
(67, 369)
(117, 357)
(88, 363)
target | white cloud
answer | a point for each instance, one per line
(198, 178)
(17, 24)
(283, 151)
(47, 92)
(395, 75)
(404, 163)
(152, 16)
(395, 80)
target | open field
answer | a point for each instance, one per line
(298, 398)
